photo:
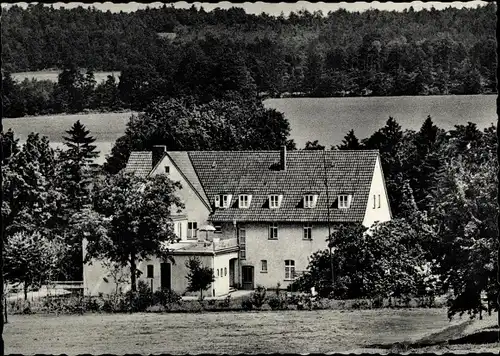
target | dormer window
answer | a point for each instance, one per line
(244, 201)
(275, 201)
(222, 201)
(345, 201)
(310, 201)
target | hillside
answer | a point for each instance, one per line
(177, 52)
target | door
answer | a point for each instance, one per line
(247, 277)
(166, 276)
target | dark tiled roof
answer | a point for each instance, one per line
(139, 163)
(253, 172)
(182, 161)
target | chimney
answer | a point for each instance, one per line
(283, 158)
(158, 152)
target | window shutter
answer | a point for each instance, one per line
(349, 200)
(217, 201)
(249, 200)
(280, 199)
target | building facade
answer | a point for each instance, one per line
(271, 210)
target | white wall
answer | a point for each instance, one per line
(195, 209)
(221, 263)
(289, 246)
(377, 188)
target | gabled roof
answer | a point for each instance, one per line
(139, 163)
(183, 162)
(254, 172)
(211, 173)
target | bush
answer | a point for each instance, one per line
(276, 303)
(140, 300)
(166, 298)
(226, 303)
(247, 304)
(258, 297)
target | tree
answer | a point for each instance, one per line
(76, 171)
(199, 277)
(131, 220)
(465, 213)
(30, 199)
(237, 124)
(10, 145)
(31, 259)
(350, 142)
(368, 264)
(314, 145)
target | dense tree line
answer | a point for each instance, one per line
(442, 187)
(171, 52)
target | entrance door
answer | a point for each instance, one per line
(166, 276)
(247, 277)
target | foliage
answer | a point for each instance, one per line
(216, 54)
(258, 297)
(130, 220)
(31, 259)
(199, 277)
(186, 125)
(166, 298)
(246, 303)
(376, 263)
(30, 199)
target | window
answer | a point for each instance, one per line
(150, 273)
(289, 270)
(379, 200)
(218, 229)
(244, 201)
(310, 201)
(217, 272)
(374, 201)
(192, 232)
(274, 201)
(225, 271)
(179, 230)
(263, 266)
(167, 169)
(273, 231)
(242, 235)
(222, 201)
(225, 201)
(308, 231)
(344, 201)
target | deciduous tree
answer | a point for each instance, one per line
(130, 220)
(199, 277)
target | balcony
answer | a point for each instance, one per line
(224, 244)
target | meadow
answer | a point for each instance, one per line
(318, 331)
(323, 119)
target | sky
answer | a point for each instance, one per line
(275, 8)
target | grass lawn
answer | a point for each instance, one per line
(225, 332)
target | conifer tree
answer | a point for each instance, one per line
(76, 172)
(350, 142)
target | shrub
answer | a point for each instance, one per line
(276, 302)
(140, 300)
(226, 303)
(166, 298)
(246, 303)
(258, 297)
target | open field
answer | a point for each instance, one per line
(52, 75)
(226, 332)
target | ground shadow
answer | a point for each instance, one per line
(480, 337)
(449, 336)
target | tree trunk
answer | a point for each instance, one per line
(5, 308)
(201, 294)
(25, 287)
(133, 281)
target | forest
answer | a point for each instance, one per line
(172, 52)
